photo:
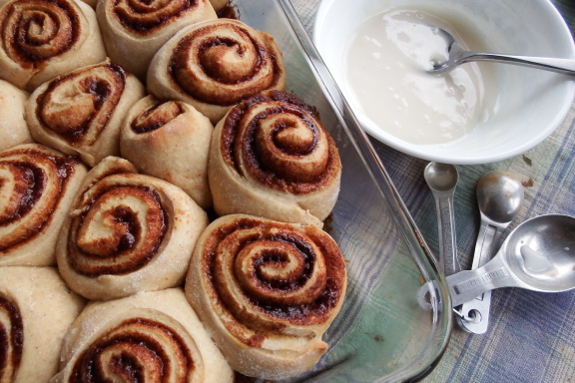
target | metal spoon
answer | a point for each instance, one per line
(458, 56)
(499, 196)
(441, 179)
(538, 255)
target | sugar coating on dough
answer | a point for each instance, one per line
(47, 309)
(167, 308)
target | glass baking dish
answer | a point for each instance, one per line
(381, 333)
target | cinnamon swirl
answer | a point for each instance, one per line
(215, 64)
(80, 113)
(151, 337)
(37, 185)
(170, 140)
(266, 291)
(36, 311)
(127, 233)
(134, 30)
(272, 157)
(42, 39)
(13, 128)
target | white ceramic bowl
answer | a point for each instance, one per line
(531, 103)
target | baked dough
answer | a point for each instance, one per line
(13, 128)
(91, 3)
(37, 185)
(80, 113)
(219, 4)
(69, 39)
(36, 311)
(266, 291)
(156, 335)
(127, 233)
(170, 140)
(272, 157)
(215, 64)
(134, 30)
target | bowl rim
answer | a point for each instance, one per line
(418, 151)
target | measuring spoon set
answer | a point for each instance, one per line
(538, 255)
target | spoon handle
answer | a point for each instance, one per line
(474, 314)
(446, 226)
(468, 284)
(564, 66)
(489, 234)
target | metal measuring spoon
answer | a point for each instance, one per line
(441, 179)
(499, 197)
(539, 255)
(458, 56)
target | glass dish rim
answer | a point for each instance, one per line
(420, 366)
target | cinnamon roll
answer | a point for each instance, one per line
(80, 113)
(170, 140)
(126, 233)
(36, 311)
(134, 30)
(272, 157)
(215, 64)
(266, 291)
(42, 39)
(37, 185)
(149, 337)
(13, 128)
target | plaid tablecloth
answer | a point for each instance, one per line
(531, 336)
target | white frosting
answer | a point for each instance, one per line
(386, 63)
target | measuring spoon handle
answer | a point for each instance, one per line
(487, 238)
(446, 226)
(468, 284)
(474, 314)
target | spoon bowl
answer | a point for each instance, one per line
(440, 177)
(499, 196)
(551, 237)
(457, 56)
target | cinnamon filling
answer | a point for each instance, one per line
(145, 16)
(30, 182)
(280, 142)
(266, 274)
(79, 105)
(156, 117)
(138, 350)
(38, 182)
(113, 237)
(229, 11)
(221, 70)
(11, 339)
(36, 31)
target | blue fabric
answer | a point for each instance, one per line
(531, 337)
